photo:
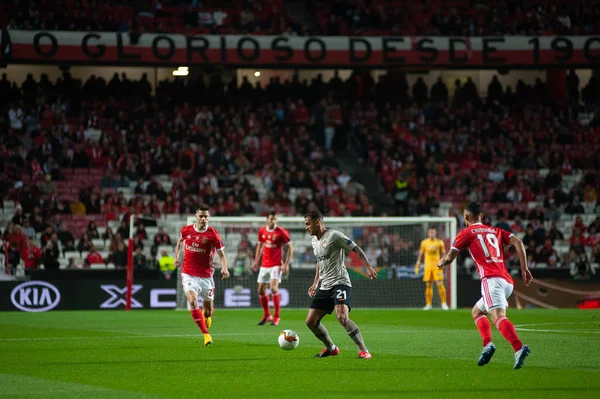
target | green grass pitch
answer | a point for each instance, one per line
(159, 354)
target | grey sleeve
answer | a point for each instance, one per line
(344, 242)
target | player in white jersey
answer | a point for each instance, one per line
(330, 247)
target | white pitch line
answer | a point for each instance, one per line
(522, 327)
(189, 335)
(560, 331)
(556, 323)
(100, 336)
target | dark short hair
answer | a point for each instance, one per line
(474, 208)
(203, 207)
(314, 214)
(272, 213)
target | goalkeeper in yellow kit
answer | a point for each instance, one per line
(434, 249)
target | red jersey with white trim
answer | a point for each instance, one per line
(486, 246)
(199, 249)
(274, 240)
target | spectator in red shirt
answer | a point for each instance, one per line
(593, 237)
(8, 231)
(93, 257)
(17, 238)
(36, 168)
(548, 254)
(229, 205)
(469, 163)
(31, 256)
(300, 113)
(162, 238)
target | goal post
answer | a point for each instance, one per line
(391, 244)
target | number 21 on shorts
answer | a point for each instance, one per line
(341, 294)
(492, 240)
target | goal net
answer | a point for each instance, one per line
(391, 244)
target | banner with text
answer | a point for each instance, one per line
(311, 51)
(241, 292)
(236, 292)
(42, 296)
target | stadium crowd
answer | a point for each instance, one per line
(69, 148)
(338, 17)
(158, 16)
(457, 17)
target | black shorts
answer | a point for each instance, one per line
(327, 299)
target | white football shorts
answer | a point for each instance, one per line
(494, 294)
(204, 286)
(266, 274)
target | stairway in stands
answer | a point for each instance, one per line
(350, 160)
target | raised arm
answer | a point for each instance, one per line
(522, 254)
(371, 273)
(259, 250)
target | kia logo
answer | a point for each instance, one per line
(35, 296)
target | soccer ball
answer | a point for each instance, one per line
(288, 340)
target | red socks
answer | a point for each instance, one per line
(276, 302)
(485, 329)
(264, 302)
(507, 330)
(197, 316)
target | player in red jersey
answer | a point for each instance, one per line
(271, 240)
(199, 242)
(486, 246)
